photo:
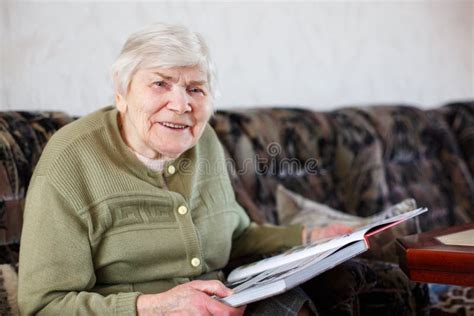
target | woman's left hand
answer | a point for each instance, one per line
(310, 235)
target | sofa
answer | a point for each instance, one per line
(363, 160)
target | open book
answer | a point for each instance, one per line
(275, 275)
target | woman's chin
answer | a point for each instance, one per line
(172, 153)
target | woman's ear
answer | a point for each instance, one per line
(120, 102)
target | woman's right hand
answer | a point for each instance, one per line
(192, 298)
(310, 235)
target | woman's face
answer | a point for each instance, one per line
(165, 110)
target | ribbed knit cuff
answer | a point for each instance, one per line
(126, 304)
(294, 235)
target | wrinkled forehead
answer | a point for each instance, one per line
(185, 75)
(172, 59)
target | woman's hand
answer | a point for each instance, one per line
(192, 298)
(310, 235)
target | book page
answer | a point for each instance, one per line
(292, 255)
(283, 278)
(277, 273)
(304, 251)
(463, 238)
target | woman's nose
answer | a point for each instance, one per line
(179, 101)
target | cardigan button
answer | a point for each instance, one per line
(182, 210)
(195, 262)
(171, 169)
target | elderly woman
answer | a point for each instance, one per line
(130, 209)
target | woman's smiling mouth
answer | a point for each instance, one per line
(174, 126)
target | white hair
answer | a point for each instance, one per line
(162, 46)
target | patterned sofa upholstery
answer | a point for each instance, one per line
(362, 160)
(367, 158)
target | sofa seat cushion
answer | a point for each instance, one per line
(8, 290)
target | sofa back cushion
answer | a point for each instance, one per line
(366, 160)
(460, 118)
(358, 160)
(23, 136)
(265, 147)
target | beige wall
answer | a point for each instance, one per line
(321, 55)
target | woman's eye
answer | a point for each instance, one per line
(196, 90)
(160, 83)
